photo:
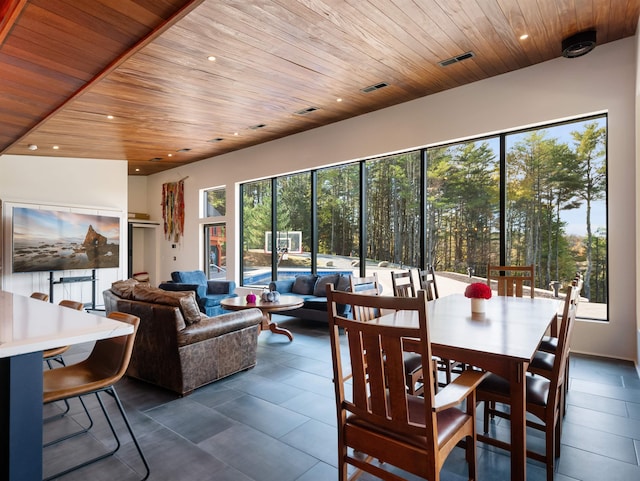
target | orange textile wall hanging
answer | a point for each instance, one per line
(173, 210)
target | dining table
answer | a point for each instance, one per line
(27, 328)
(502, 340)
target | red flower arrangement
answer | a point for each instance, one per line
(478, 290)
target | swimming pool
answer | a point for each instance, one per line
(262, 277)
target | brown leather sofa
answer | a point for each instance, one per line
(179, 348)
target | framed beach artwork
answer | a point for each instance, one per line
(56, 240)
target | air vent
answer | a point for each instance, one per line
(183, 150)
(155, 159)
(217, 139)
(306, 111)
(257, 127)
(372, 88)
(459, 58)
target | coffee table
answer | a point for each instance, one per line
(285, 303)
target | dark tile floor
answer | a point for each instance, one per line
(276, 422)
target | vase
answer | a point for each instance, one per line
(478, 305)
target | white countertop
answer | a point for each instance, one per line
(29, 325)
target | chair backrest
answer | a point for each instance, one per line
(562, 351)
(41, 296)
(368, 286)
(379, 395)
(78, 306)
(511, 280)
(111, 356)
(375, 353)
(427, 279)
(365, 285)
(402, 282)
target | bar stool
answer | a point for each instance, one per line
(105, 366)
(55, 354)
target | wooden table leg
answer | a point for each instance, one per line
(267, 323)
(518, 422)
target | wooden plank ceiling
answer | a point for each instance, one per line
(66, 65)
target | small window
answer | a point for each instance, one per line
(215, 202)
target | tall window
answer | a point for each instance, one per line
(215, 233)
(256, 222)
(393, 211)
(293, 244)
(338, 202)
(463, 204)
(215, 237)
(556, 206)
(535, 196)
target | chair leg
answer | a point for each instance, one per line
(75, 433)
(59, 415)
(550, 450)
(112, 392)
(485, 420)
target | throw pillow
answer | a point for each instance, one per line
(124, 289)
(304, 284)
(344, 283)
(320, 289)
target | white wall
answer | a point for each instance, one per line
(558, 89)
(137, 194)
(99, 185)
(637, 198)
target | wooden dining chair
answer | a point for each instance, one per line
(403, 286)
(428, 282)
(106, 364)
(512, 280)
(377, 418)
(402, 283)
(544, 398)
(542, 362)
(368, 285)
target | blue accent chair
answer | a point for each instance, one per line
(209, 293)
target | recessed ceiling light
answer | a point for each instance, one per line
(524, 36)
(169, 155)
(236, 134)
(338, 99)
(137, 170)
(211, 58)
(110, 117)
(56, 147)
(32, 147)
